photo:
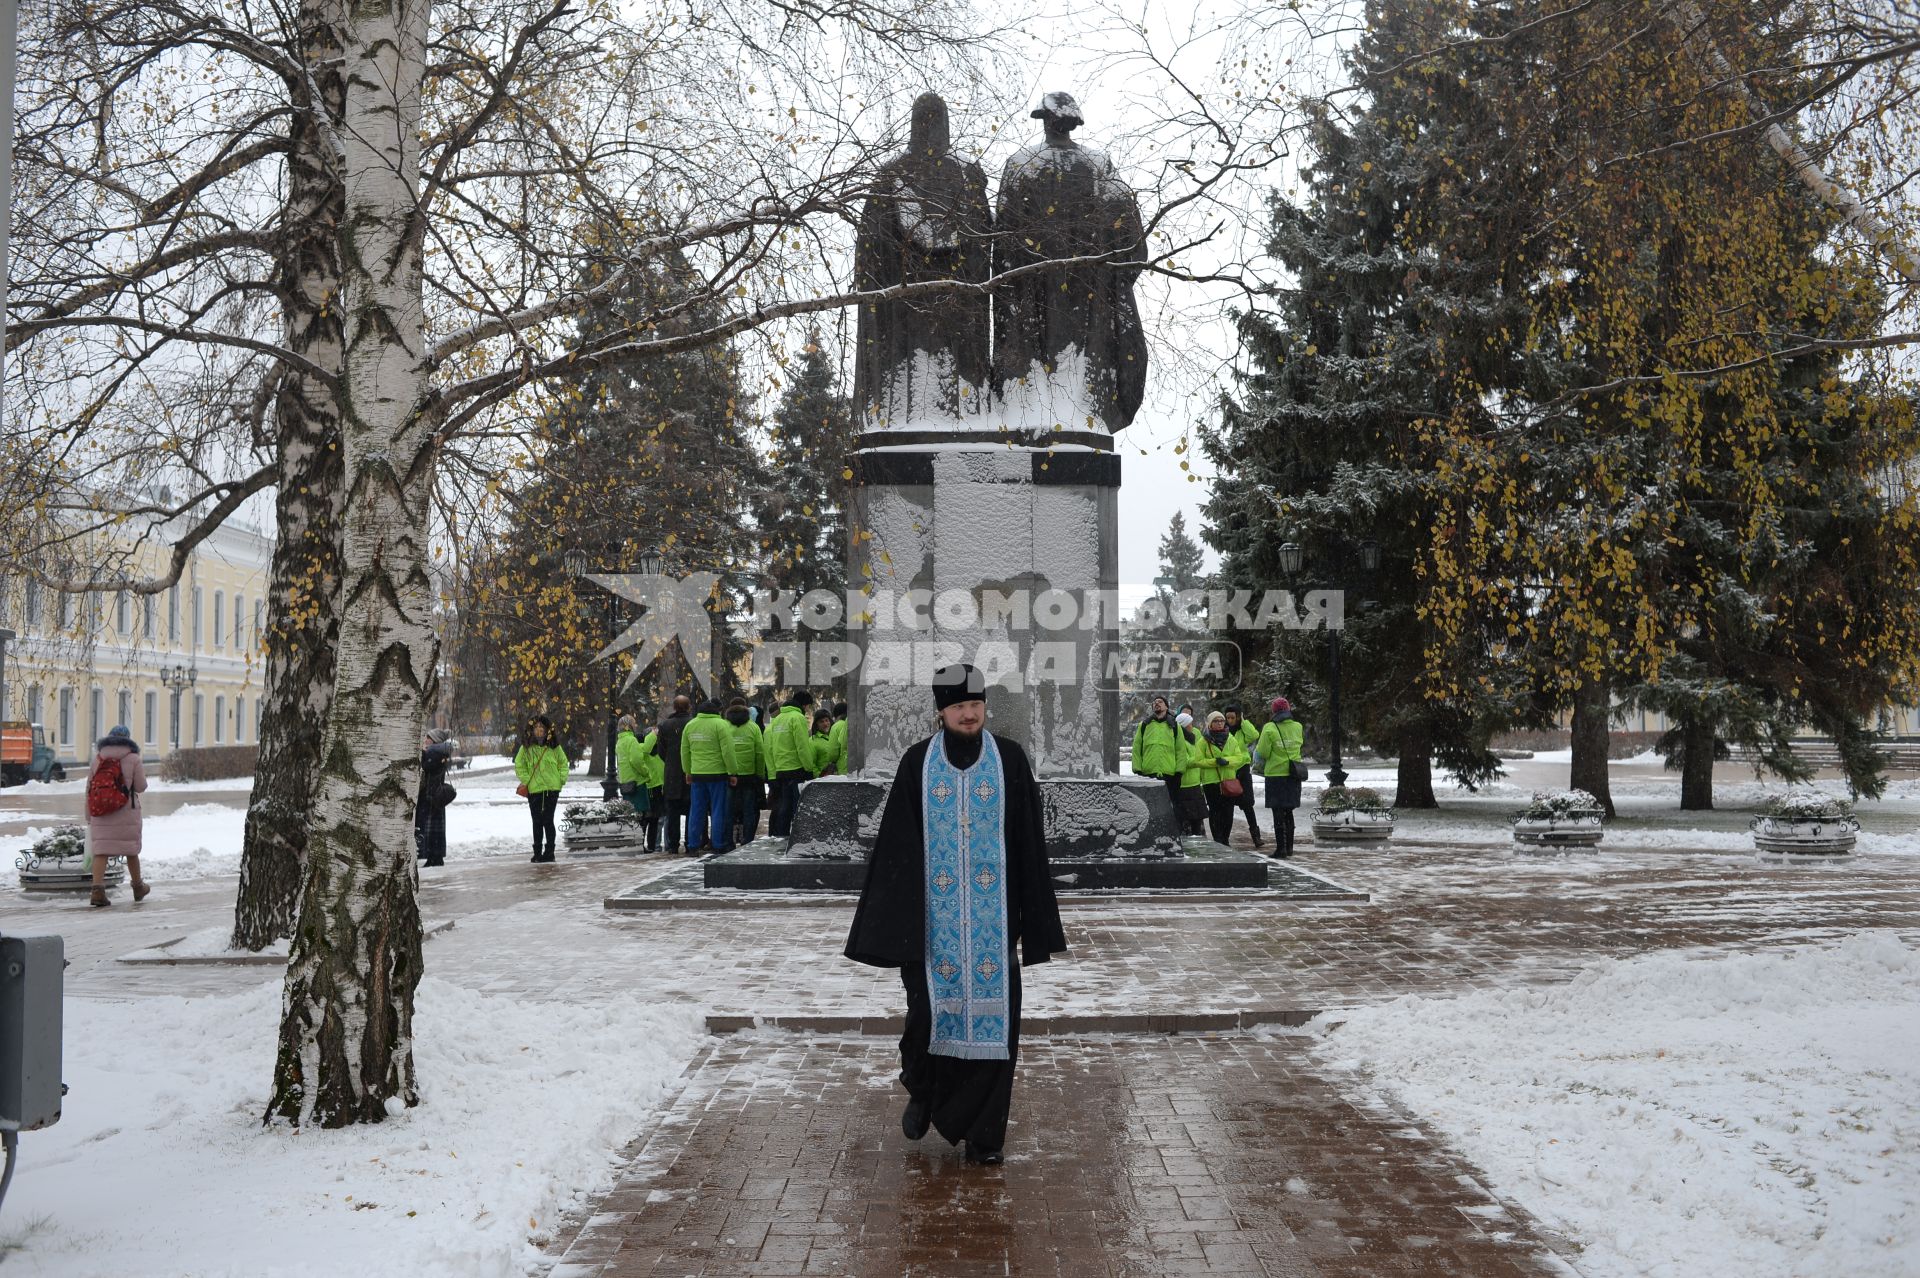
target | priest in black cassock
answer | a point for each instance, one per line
(957, 879)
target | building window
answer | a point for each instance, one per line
(219, 720)
(146, 617)
(259, 623)
(173, 718)
(122, 615)
(123, 718)
(239, 720)
(33, 704)
(64, 611)
(96, 705)
(239, 623)
(152, 709)
(33, 603)
(66, 716)
(173, 613)
(199, 715)
(219, 618)
(194, 621)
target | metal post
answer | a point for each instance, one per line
(1336, 775)
(5, 635)
(610, 781)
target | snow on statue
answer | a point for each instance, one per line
(1069, 352)
(922, 362)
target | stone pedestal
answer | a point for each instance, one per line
(1000, 550)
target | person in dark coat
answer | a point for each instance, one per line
(674, 792)
(957, 879)
(430, 805)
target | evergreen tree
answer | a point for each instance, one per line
(651, 454)
(1406, 274)
(800, 511)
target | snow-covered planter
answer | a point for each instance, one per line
(1352, 815)
(607, 824)
(1560, 819)
(58, 862)
(1806, 823)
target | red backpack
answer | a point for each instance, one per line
(106, 792)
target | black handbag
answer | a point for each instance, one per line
(445, 794)
(1298, 771)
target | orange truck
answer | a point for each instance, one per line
(25, 755)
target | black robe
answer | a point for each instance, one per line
(889, 927)
(965, 1099)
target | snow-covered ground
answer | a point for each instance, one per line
(1683, 1113)
(160, 1164)
(202, 839)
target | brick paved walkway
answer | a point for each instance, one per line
(1132, 1156)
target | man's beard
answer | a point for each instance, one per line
(974, 731)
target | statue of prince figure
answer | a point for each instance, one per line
(957, 879)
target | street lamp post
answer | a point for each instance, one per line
(1366, 558)
(176, 681)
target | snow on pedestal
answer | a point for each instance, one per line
(970, 522)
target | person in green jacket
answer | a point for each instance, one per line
(839, 735)
(820, 746)
(1280, 743)
(1156, 750)
(789, 760)
(703, 758)
(630, 765)
(1226, 756)
(542, 767)
(656, 781)
(1197, 767)
(1248, 738)
(746, 765)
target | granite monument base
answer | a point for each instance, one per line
(1105, 833)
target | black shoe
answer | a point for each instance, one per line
(984, 1157)
(916, 1119)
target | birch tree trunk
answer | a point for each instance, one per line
(303, 591)
(346, 1031)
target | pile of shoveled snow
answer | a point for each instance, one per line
(1685, 1113)
(160, 1165)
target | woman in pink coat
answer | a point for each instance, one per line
(115, 832)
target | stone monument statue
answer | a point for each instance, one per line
(1069, 352)
(922, 362)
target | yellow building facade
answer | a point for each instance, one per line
(181, 669)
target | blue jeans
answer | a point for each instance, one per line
(707, 815)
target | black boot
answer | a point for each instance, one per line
(915, 1120)
(985, 1157)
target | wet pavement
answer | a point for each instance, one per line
(1146, 1156)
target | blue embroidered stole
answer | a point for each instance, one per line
(967, 946)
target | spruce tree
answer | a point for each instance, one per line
(800, 511)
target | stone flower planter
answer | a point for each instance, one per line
(1560, 819)
(1573, 830)
(1353, 825)
(1805, 835)
(596, 826)
(58, 862)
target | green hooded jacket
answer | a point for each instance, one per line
(630, 756)
(703, 747)
(541, 768)
(1280, 743)
(1156, 748)
(786, 742)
